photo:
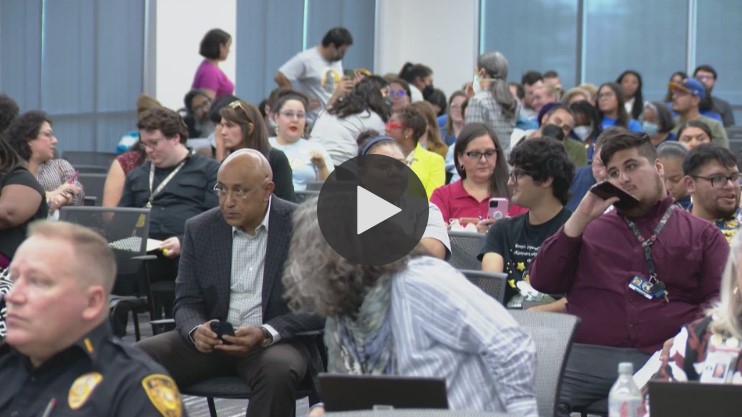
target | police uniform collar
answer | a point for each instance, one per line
(91, 342)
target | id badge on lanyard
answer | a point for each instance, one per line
(722, 356)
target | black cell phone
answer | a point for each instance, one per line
(221, 328)
(606, 190)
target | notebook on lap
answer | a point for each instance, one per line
(365, 392)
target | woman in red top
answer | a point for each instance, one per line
(480, 161)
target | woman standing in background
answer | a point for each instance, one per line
(209, 77)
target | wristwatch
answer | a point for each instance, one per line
(267, 337)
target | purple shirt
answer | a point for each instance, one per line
(209, 76)
(594, 271)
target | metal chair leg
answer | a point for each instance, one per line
(212, 406)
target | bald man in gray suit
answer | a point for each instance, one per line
(231, 266)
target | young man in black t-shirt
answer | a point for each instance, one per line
(540, 180)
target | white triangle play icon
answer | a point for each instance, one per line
(372, 210)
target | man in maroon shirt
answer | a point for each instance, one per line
(612, 282)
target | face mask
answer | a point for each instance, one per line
(650, 129)
(582, 132)
(475, 84)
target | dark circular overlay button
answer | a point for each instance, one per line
(372, 210)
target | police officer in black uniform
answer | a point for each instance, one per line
(60, 357)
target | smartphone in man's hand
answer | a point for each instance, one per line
(606, 190)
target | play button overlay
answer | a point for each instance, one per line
(372, 210)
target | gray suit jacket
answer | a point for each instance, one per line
(204, 274)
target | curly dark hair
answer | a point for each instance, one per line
(365, 96)
(24, 128)
(165, 120)
(544, 158)
(317, 279)
(705, 152)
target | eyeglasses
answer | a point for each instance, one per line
(476, 155)
(719, 181)
(291, 115)
(398, 93)
(394, 125)
(705, 77)
(517, 174)
(150, 145)
(237, 194)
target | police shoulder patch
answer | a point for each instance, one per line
(82, 388)
(164, 394)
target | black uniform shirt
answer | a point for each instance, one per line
(97, 376)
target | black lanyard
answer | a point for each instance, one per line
(647, 243)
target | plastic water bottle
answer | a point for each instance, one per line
(625, 399)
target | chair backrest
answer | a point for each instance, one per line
(465, 247)
(491, 283)
(93, 185)
(552, 333)
(125, 229)
(302, 196)
(101, 159)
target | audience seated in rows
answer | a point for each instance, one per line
(174, 183)
(430, 140)
(242, 127)
(129, 157)
(309, 161)
(435, 239)
(610, 278)
(657, 122)
(389, 320)
(361, 109)
(712, 180)
(686, 99)
(228, 252)
(612, 108)
(31, 136)
(672, 155)
(407, 126)
(539, 180)
(694, 133)
(196, 117)
(22, 200)
(706, 74)
(481, 163)
(631, 85)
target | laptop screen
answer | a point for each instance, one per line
(342, 392)
(692, 399)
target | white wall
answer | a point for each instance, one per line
(180, 26)
(442, 34)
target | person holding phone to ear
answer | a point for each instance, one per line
(540, 179)
(596, 258)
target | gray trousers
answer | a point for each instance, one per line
(590, 373)
(273, 374)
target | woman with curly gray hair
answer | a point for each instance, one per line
(493, 104)
(417, 316)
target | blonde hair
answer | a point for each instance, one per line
(145, 102)
(727, 311)
(95, 260)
